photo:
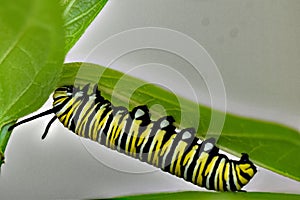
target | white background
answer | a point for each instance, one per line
(255, 45)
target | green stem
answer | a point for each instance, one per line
(4, 137)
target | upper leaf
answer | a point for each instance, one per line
(31, 49)
(31, 55)
(78, 14)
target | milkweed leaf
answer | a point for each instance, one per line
(31, 56)
(269, 145)
(78, 14)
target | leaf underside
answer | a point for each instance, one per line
(269, 145)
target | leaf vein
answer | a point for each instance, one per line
(12, 46)
(83, 14)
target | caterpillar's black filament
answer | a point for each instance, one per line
(156, 142)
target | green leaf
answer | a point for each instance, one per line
(32, 51)
(78, 14)
(269, 145)
(31, 56)
(212, 195)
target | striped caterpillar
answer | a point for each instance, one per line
(158, 143)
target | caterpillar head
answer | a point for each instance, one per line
(245, 170)
(65, 91)
(70, 91)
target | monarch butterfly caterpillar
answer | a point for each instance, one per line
(158, 143)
